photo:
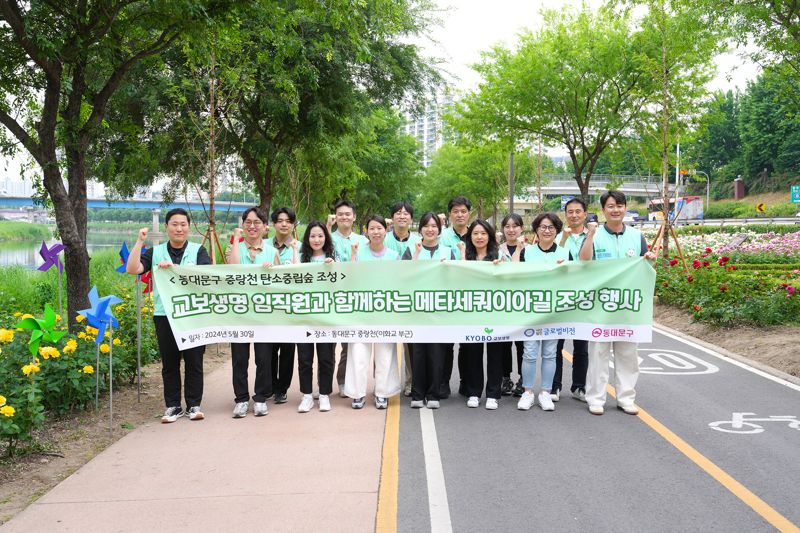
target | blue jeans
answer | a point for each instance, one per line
(530, 352)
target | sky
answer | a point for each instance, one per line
(472, 26)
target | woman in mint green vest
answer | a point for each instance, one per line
(546, 226)
(317, 247)
(427, 358)
(176, 251)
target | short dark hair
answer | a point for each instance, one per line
(552, 217)
(491, 246)
(402, 205)
(177, 211)
(344, 203)
(262, 216)
(375, 218)
(284, 211)
(459, 200)
(305, 248)
(618, 197)
(575, 200)
(512, 216)
(427, 217)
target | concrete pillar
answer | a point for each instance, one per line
(156, 235)
(738, 188)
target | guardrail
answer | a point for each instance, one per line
(721, 221)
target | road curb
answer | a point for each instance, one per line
(735, 356)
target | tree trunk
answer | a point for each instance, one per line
(664, 137)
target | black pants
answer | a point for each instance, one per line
(282, 366)
(171, 367)
(505, 348)
(305, 366)
(473, 369)
(427, 363)
(240, 361)
(580, 364)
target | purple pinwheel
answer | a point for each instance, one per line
(50, 256)
(99, 315)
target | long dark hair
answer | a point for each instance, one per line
(491, 246)
(305, 249)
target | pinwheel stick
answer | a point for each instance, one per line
(60, 305)
(138, 342)
(111, 380)
(97, 379)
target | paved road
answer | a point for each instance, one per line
(568, 470)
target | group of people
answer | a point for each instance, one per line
(427, 368)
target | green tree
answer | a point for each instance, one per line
(577, 82)
(61, 65)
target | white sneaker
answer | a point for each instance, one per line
(596, 409)
(341, 391)
(491, 403)
(315, 394)
(432, 404)
(579, 394)
(526, 401)
(195, 413)
(306, 404)
(555, 396)
(240, 409)
(417, 404)
(260, 408)
(546, 402)
(324, 402)
(473, 402)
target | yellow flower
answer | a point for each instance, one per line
(107, 335)
(71, 346)
(104, 348)
(2, 400)
(145, 310)
(89, 339)
(81, 335)
(58, 317)
(88, 369)
(117, 342)
(7, 410)
(119, 308)
(80, 318)
(17, 314)
(27, 315)
(48, 351)
(30, 369)
(6, 335)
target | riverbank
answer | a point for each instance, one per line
(24, 231)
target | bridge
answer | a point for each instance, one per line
(631, 185)
(136, 203)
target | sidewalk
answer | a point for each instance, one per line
(286, 472)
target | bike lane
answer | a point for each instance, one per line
(574, 471)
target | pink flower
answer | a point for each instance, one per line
(696, 263)
(791, 290)
(722, 260)
(708, 250)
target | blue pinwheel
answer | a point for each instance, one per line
(50, 257)
(99, 315)
(123, 255)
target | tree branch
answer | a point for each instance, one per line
(22, 136)
(13, 16)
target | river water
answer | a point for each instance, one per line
(26, 253)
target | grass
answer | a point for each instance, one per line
(22, 231)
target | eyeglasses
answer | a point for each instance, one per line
(252, 223)
(547, 228)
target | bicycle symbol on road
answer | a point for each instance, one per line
(673, 363)
(748, 426)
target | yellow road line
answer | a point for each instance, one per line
(386, 517)
(777, 520)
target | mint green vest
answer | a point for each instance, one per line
(442, 252)
(401, 246)
(608, 246)
(450, 238)
(343, 245)
(534, 254)
(160, 254)
(267, 255)
(573, 244)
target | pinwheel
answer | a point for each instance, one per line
(50, 257)
(41, 329)
(124, 254)
(99, 316)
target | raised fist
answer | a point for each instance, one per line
(142, 234)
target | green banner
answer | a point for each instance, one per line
(409, 301)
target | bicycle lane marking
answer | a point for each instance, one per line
(437, 490)
(762, 508)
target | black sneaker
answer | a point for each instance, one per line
(517, 392)
(172, 414)
(507, 387)
(281, 397)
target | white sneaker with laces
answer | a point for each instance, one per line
(555, 396)
(240, 409)
(491, 403)
(324, 402)
(579, 394)
(260, 408)
(525, 401)
(195, 413)
(546, 402)
(473, 402)
(172, 414)
(306, 404)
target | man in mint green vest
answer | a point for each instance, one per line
(176, 251)
(613, 240)
(343, 239)
(253, 250)
(400, 239)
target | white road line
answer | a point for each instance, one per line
(730, 360)
(437, 491)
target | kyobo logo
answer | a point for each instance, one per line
(478, 338)
(488, 330)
